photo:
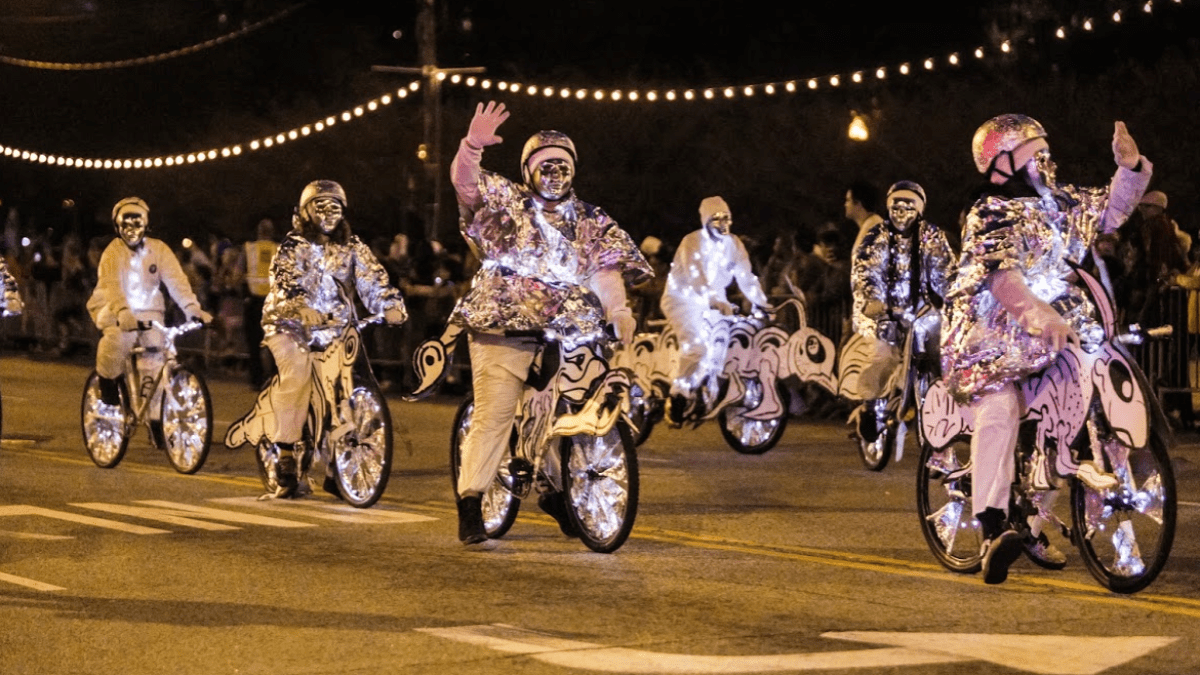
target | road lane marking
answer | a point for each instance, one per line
(27, 510)
(185, 515)
(29, 583)
(1042, 654)
(34, 535)
(326, 511)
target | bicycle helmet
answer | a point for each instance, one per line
(1003, 144)
(544, 145)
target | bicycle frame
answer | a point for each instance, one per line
(144, 392)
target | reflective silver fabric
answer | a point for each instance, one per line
(305, 274)
(983, 346)
(881, 271)
(537, 262)
(9, 286)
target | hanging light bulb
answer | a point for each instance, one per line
(858, 130)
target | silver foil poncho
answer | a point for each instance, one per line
(881, 271)
(324, 277)
(537, 262)
(983, 346)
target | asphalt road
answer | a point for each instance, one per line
(792, 561)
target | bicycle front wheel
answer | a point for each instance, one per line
(944, 507)
(754, 437)
(186, 420)
(500, 505)
(106, 428)
(363, 457)
(1125, 534)
(601, 484)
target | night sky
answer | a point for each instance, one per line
(317, 60)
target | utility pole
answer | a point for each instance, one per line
(431, 150)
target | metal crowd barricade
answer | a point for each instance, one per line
(1172, 365)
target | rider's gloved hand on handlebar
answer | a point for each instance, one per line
(126, 320)
(1036, 316)
(200, 315)
(623, 322)
(310, 316)
(394, 316)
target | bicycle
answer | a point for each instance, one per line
(1096, 403)
(179, 394)
(571, 435)
(348, 428)
(747, 394)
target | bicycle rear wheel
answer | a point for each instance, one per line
(186, 420)
(500, 505)
(106, 428)
(1125, 534)
(363, 457)
(944, 507)
(754, 437)
(600, 475)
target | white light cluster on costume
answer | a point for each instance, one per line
(226, 152)
(153, 58)
(748, 90)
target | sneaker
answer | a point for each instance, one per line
(998, 554)
(1044, 553)
(285, 476)
(470, 521)
(555, 504)
(1094, 478)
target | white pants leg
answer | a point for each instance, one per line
(498, 370)
(997, 417)
(289, 397)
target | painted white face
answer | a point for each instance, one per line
(552, 179)
(719, 223)
(131, 226)
(325, 212)
(903, 212)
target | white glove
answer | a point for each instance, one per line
(200, 315)
(1036, 316)
(482, 131)
(126, 321)
(623, 322)
(310, 316)
(395, 316)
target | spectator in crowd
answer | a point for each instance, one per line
(1156, 254)
(862, 204)
(256, 257)
(70, 309)
(647, 294)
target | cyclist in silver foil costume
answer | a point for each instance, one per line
(898, 265)
(314, 277)
(549, 262)
(1013, 306)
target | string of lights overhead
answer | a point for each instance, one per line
(549, 91)
(153, 58)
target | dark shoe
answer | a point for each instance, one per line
(868, 427)
(675, 406)
(470, 521)
(555, 504)
(999, 554)
(285, 475)
(331, 486)
(110, 391)
(157, 436)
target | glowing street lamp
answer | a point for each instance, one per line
(858, 130)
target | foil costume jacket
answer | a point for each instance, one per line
(704, 266)
(133, 279)
(983, 346)
(324, 277)
(537, 262)
(881, 271)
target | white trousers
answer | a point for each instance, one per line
(289, 397)
(997, 419)
(499, 367)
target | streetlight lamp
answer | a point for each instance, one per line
(858, 130)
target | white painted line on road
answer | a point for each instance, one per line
(327, 511)
(27, 510)
(34, 535)
(185, 514)
(1188, 503)
(1042, 654)
(29, 583)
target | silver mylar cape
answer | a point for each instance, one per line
(536, 262)
(305, 274)
(983, 346)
